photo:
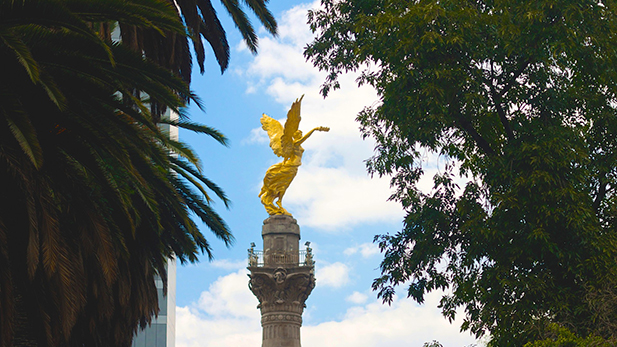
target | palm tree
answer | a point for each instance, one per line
(171, 50)
(93, 199)
(201, 21)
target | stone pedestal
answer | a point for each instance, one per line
(282, 278)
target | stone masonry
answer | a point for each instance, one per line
(282, 277)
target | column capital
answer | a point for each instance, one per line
(282, 289)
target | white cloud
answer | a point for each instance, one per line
(229, 295)
(226, 315)
(287, 47)
(332, 190)
(257, 136)
(357, 298)
(229, 264)
(366, 250)
(195, 330)
(333, 275)
(405, 323)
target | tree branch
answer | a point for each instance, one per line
(497, 96)
(601, 192)
(515, 75)
(500, 111)
(466, 125)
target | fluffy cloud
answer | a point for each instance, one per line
(333, 275)
(193, 329)
(226, 315)
(332, 190)
(366, 250)
(357, 298)
(229, 296)
(266, 69)
(228, 264)
(402, 324)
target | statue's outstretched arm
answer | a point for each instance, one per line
(301, 140)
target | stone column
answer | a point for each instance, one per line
(282, 281)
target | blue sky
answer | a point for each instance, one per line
(338, 206)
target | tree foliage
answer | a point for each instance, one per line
(94, 196)
(520, 96)
(562, 337)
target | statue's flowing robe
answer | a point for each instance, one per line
(277, 179)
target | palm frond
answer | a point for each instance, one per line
(197, 174)
(182, 150)
(25, 134)
(212, 30)
(263, 13)
(158, 15)
(204, 212)
(242, 23)
(199, 128)
(22, 52)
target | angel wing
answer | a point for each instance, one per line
(291, 126)
(275, 131)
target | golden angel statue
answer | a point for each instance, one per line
(286, 143)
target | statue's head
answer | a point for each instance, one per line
(297, 135)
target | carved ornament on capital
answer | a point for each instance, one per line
(281, 290)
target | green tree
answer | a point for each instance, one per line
(562, 337)
(94, 196)
(520, 96)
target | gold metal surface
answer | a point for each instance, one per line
(286, 143)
